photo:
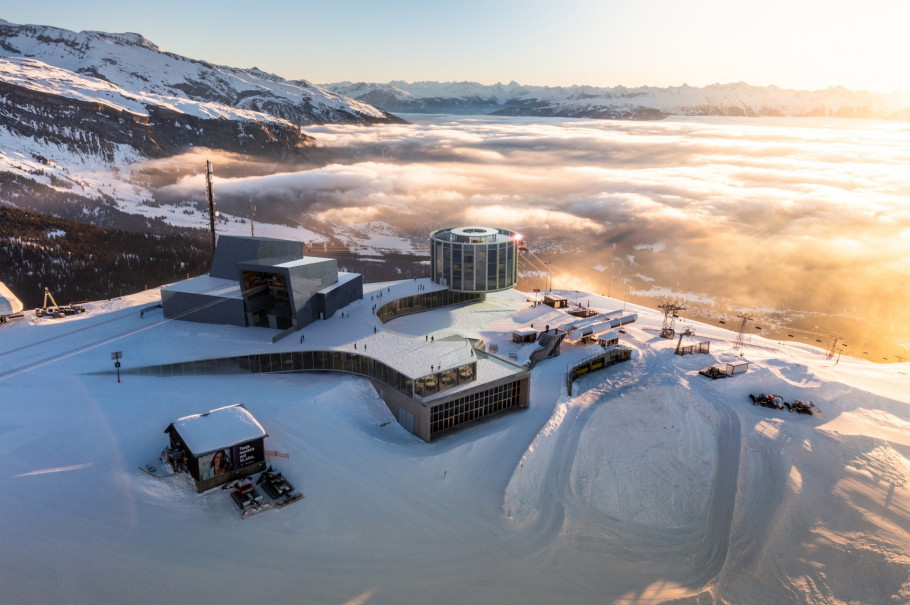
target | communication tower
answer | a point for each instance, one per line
(211, 198)
(746, 317)
(671, 310)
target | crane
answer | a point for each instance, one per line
(56, 311)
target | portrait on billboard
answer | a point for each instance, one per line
(215, 464)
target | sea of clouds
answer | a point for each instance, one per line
(806, 216)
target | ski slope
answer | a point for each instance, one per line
(651, 484)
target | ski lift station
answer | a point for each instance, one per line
(9, 304)
(257, 281)
(431, 386)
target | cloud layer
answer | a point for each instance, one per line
(810, 215)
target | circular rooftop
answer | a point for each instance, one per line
(474, 258)
(470, 232)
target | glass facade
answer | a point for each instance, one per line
(474, 259)
(424, 302)
(302, 361)
(465, 406)
(473, 406)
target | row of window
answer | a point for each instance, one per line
(440, 381)
(610, 357)
(299, 361)
(328, 360)
(474, 405)
(474, 267)
(424, 302)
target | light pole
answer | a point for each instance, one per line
(547, 263)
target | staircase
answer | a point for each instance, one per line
(549, 346)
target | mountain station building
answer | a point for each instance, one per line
(266, 282)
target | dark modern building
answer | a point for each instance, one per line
(474, 259)
(257, 281)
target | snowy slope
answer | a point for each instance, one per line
(130, 62)
(650, 483)
(735, 99)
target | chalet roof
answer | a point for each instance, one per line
(217, 429)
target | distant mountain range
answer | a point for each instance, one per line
(78, 110)
(644, 103)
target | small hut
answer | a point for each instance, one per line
(737, 367)
(220, 445)
(556, 301)
(608, 339)
(523, 335)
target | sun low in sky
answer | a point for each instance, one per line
(808, 44)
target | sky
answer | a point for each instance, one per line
(810, 44)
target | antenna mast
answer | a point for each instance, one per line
(252, 218)
(211, 198)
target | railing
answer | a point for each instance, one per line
(549, 346)
(610, 356)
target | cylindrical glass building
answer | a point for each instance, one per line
(474, 259)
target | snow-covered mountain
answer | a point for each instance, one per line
(78, 110)
(92, 91)
(644, 103)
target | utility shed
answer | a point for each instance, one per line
(220, 445)
(9, 304)
(556, 301)
(609, 339)
(737, 367)
(522, 335)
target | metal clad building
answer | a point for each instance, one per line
(263, 282)
(474, 259)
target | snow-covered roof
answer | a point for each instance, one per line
(524, 331)
(288, 263)
(9, 304)
(218, 428)
(343, 278)
(206, 284)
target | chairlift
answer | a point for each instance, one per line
(758, 327)
(790, 335)
(721, 321)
